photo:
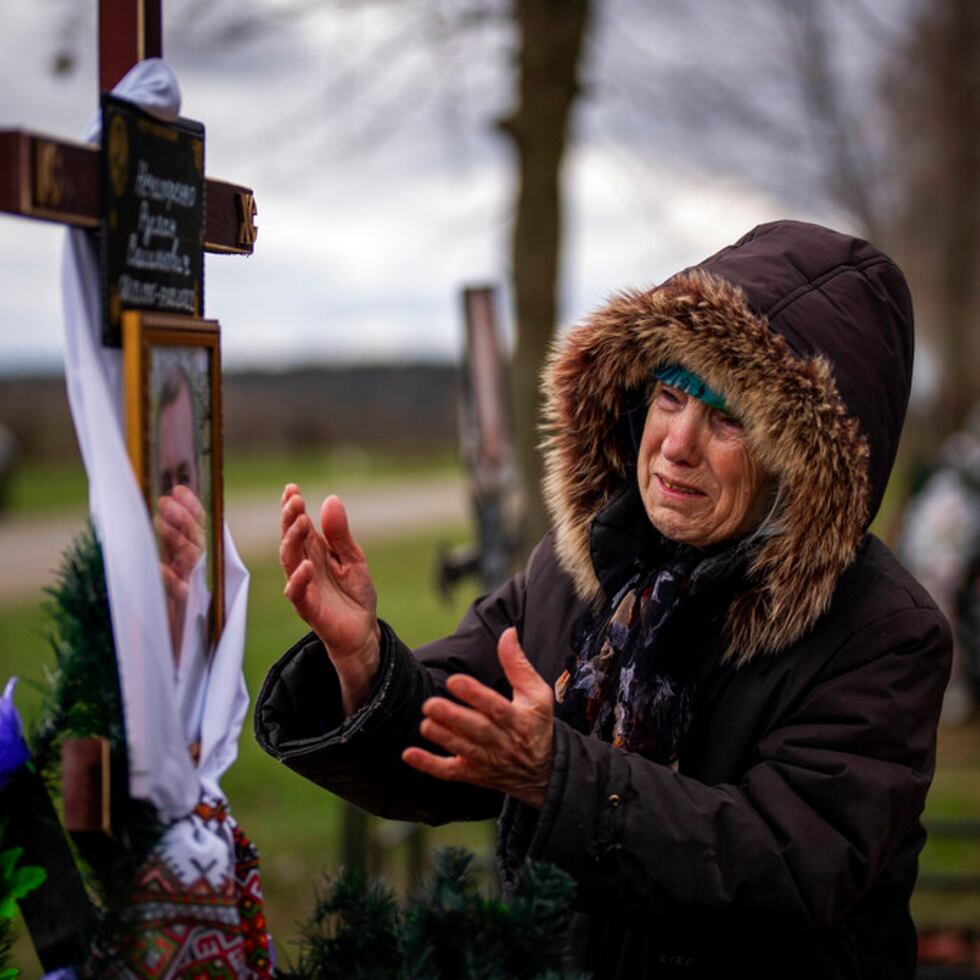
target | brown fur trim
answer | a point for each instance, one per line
(796, 422)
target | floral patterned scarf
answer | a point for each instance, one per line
(618, 685)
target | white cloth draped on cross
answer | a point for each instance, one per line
(161, 769)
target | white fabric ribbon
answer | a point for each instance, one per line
(160, 767)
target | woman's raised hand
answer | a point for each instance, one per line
(328, 584)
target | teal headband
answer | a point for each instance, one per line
(678, 377)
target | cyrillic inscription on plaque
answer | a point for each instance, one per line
(152, 215)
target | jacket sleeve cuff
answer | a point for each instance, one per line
(298, 714)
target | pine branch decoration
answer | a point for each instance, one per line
(448, 929)
(82, 699)
(82, 696)
(354, 931)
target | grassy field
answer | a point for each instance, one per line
(296, 825)
(57, 487)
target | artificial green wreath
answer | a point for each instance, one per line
(447, 930)
(81, 699)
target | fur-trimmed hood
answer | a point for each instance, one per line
(808, 335)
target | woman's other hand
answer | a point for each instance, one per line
(496, 743)
(328, 584)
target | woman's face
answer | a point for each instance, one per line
(699, 483)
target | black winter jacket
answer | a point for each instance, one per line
(786, 843)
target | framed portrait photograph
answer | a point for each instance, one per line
(172, 386)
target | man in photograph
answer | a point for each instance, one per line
(177, 439)
(180, 519)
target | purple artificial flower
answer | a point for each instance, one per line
(13, 749)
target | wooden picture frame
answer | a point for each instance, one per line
(172, 365)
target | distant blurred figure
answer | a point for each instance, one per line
(940, 545)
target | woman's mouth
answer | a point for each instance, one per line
(681, 489)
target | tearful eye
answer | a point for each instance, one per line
(727, 422)
(669, 395)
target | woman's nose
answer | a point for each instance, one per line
(682, 441)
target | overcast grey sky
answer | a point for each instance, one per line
(366, 131)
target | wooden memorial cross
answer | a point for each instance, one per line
(53, 179)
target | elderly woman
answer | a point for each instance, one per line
(711, 696)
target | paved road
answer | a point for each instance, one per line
(31, 548)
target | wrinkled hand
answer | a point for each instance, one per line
(329, 586)
(179, 523)
(496, 743)
(180, 526)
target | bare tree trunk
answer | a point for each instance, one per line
(936, 106)
(551, 43)
(849, 174)
(958, 105)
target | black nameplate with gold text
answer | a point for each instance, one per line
(152, 215)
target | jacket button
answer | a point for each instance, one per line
(614, 800)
